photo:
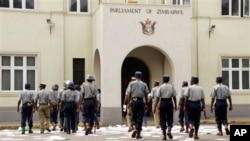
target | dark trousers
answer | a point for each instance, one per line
(61, 117)
(220, 113)
(88, 112)
(54, 114)
(137, 113)
(26, 113)
(166, 112)
(70, 115)
(194, 113)
(182, 115)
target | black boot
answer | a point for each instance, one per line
(138, 136)
(30, 130)
(164, 135)
(23, 130)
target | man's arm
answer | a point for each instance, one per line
(18, 105)
(230, 103)
(175, 107)
(212, 104)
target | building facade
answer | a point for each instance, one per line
(44, 41)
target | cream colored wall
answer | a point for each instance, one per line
(229, 39)
(24, 32)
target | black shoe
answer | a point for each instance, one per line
(191, 133)
(170, 136)
(134, 134)
(61, 129)
(48, 130)
(88, 131)
(30, 131)
(42, 132)
(227, 131)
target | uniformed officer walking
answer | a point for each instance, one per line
(167, 93)
(61, 113)
(90, 104)
(69, 105)
(127, 107)
(54, 110)
(27, 99)
(43, 99)
(137, 90)
(78, 92)
(153, 97)
(182, 115)
(193, 95)
(221, 93)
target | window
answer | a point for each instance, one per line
(235, 8)
(79, 6)
(15, 71)
(17, 4)
(235, 73)
(132, 1)
(78, 70)
(181, 2)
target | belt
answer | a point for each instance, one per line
(167, 99)
(88, 98)
(198, 101)
(136, 98)
(221, 100)
(43, 104)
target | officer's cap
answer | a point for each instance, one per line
(219, 79)
(195, 79)
(184, 83)
(90, 77)
(165, 78)
(71, 85)
(42, 85)
(55, 87)
(138, 74)
(27, 86)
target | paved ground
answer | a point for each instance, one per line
(111, 133)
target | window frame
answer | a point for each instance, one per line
(241, 8)
(244, 3)
(239, 69)
(24, 68)
(78, 8)
(11, 6)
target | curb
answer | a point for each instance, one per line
(37, 126)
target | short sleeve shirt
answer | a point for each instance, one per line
(70, 96)
(166, 90)
(53, 97)
(154, 92)
(220, 91)
(26, 96)
(183, 89)
(138, 88)
(43, 97)
(89, 90)
(194, 93)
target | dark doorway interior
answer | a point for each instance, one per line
(129, 66)
(78, 70)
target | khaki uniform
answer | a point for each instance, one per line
(43, 110)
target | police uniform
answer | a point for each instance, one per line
(43, 97)
(54, 101)
(27, 99)
(221, 93)
(153, 96)
(182, 115)
(167, 93)
(89, 92)
(137, 90)
(70, 101)
(78, 94)
(194, 94)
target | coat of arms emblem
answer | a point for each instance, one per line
(148, 27)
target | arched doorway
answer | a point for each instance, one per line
(129, 66)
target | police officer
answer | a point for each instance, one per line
(78, 93)
(221, 93)
(54, 110)
(27, 99)
(167, 93)
(152, 96)
(193, 95)
(69, 105)
(128, 108)
(43, 99)
(137, 90)
(61, 113)
(182, 114)
(90, 104)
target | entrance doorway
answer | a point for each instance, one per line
(129, 67)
